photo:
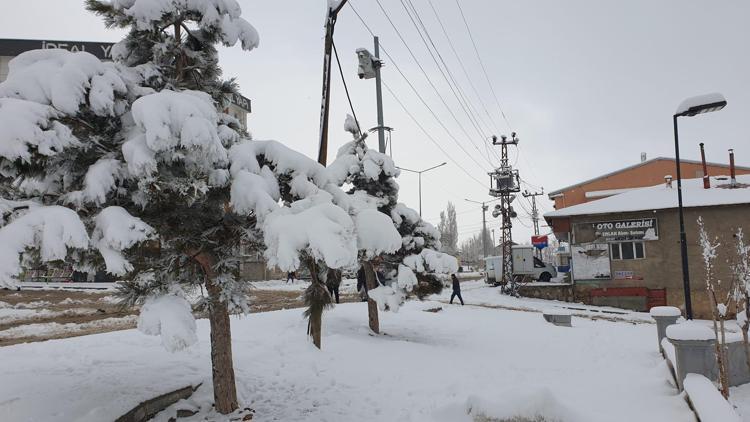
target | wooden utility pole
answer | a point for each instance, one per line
(325, 100)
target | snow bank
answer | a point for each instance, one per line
(557, 311)
(689, 330)
(698, 100)
(170, 317)
(115, 231)
(52, 229)
(542, 405)
(665, 311)
(707, 401)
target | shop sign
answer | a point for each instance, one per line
(616, 231)
(539, 242)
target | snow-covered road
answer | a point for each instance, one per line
(427, 367)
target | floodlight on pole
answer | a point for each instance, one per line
(419, 172)
(690, 107)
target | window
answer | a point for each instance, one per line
(627, 250)
(538, 263)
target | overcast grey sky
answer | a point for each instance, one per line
(588, 85)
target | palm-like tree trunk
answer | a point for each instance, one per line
(372, 306)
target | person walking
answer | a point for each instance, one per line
(290, 276)
(333, 282)
(456, 290)
(362, 284)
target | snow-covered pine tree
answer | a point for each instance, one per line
(59, 116)
(175, 146)
(310, 229)
(373, 194)
(372, 176)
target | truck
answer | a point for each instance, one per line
(525, 264)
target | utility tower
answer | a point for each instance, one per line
(504, 184)
(534, 213)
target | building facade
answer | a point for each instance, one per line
(646, 173)
(625, 249)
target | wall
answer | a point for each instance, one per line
(662, 266)
(649, 174)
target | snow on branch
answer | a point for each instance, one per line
(221, 15)
(376, 234)
(100, 179)
(323, 230)
(432, 261)
(115, 231)
(171, 119)
(252, 193)
(64, 80)
(27, 127)
(51, 229)
(170, 317)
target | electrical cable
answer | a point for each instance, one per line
(484, 70)
(346, 89)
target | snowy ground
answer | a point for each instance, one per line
(348, 285)
(427, 367)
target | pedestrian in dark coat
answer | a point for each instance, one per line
(333, 281)
(362, 283)
(290, 276)
(456, 289)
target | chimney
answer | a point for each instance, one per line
(668, 180)
(733, 182)
(706, 180)
(643, 157)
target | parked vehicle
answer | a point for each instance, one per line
(525, 264)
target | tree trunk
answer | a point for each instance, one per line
(744, 328)
(222, 367)
(372, 306)
(317, 299)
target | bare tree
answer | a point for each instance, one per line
(718, 308)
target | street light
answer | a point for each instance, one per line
(688, 108)
(419, 172)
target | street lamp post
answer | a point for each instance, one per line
(419, 172)
(688, 108)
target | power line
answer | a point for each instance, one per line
(429, 80)
(423, 102)
(346, 89)
(461, 63)
(484, 70)
(411, 116)
(450, 80)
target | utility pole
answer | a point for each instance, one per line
(534, 213)
(369, 67)
(326, 96)
(504, 183)
(379, 94)
(485, 207)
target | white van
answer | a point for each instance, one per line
(524, 264)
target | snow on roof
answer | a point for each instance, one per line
(662, 197)
(642, 163)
